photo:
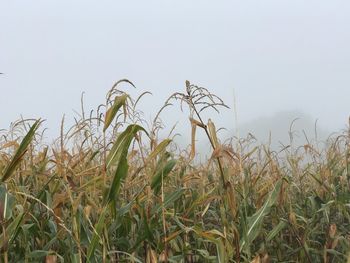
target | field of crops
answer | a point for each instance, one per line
(109, 189)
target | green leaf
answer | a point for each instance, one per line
(118, 156)
(169, 199)
(274, 232)
(256, 220)
(38, 254)
(97, 233)
(112, 111)
(217, 238)
(7, 202)
(161, 174)
(121, 142)
(160, 147)
(11, 230)
(10, 168)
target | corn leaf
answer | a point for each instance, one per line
(97, 234)
(112, 111)
(20, 152)
(120, 159)
(160, 175)
(256, 220)
(7, 202)
(274, 232)
(160, 147)
(217, 238)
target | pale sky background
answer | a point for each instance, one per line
(277, 56)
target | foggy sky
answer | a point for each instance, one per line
(274, 55)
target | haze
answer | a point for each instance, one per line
(275, 56)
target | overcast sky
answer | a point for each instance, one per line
(282, 55)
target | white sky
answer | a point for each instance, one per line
(277, 55)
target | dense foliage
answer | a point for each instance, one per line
(109, 190)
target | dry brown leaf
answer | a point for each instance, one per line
(212, 133)
(10, 144)
(231, 200)
(256, 260)
(151, 256)
(332, 230)
(193, 139)
(51, 259)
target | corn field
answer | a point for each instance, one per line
(110, 190)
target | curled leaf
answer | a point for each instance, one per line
(112, 111)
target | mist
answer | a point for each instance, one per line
(265, 59)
